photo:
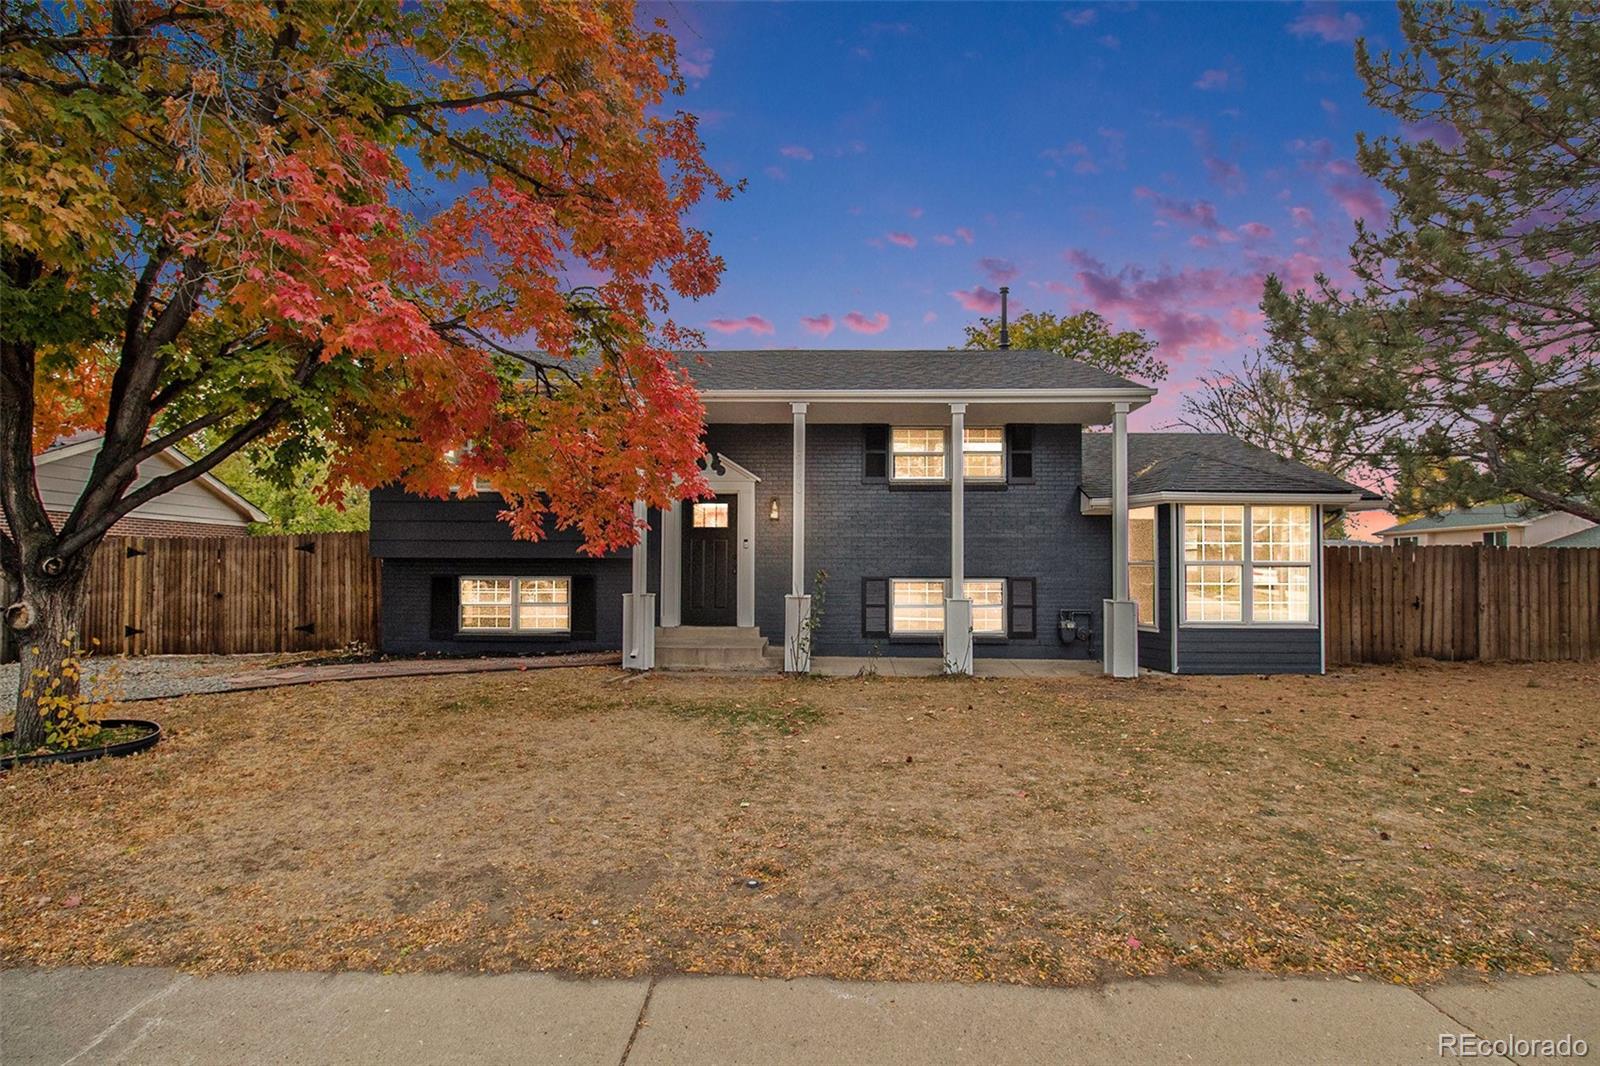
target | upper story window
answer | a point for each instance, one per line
(1248, 564)
(919, 453)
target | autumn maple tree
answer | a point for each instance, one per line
(334, 232)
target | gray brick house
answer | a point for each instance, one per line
(956, 504)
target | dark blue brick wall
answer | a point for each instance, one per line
(407, 606)
(856, 530)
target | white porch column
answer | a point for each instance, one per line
(1120, 616)
(797, 634)
(672, 565)
(957, 608)
(639, 606)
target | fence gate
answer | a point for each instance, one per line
(231, 595)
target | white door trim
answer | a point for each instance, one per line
(736, 481)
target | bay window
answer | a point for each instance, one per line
(1142, 563)
(532, 605)
(1249, 565)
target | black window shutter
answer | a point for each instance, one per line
(583, 608)
(874, 607)
(1023, 612)
(875, 453)
(444, 597)
(1019, 447)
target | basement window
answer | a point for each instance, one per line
(531, 605)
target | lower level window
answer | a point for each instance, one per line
(516, 605)
(916, 605)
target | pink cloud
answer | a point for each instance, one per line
(999, 271)
(1224, 173)
(1329, 107)
(860, 323)
(978, 298)
(1216, 78)
(1303, 216)
(1201, 214)
(695, 63)
(776, 173)
(1256, 231)
(795, 151)
(929, 316)
(1078, 16)
(1110, 40)
(904, 240)
(915, 212)
(1359, 199)
(1327, 22)
(821, 325)
(1200, 240)
(943, 238)
(964, 233)
(753, 323)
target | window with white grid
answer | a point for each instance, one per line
(541, 605)
(918, 453)
(983, 453)
(1249, 564)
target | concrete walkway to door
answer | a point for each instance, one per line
(931, 666)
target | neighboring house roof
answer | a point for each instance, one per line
(1495, 515)
(1201, 463)
(78, 443)
(1583, 538)
(809, 370)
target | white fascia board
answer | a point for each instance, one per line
(1135, 396)
(1348, 501)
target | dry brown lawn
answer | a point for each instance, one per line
(1402, 823)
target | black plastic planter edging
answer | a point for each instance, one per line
(126, 747)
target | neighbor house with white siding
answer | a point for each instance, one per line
(204, 507)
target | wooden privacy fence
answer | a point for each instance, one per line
(230, 595)
(1386, 604)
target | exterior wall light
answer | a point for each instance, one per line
(772, 512)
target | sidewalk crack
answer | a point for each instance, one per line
(1464, 1026)
(638, 1023)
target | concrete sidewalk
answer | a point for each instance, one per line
(115, 1015)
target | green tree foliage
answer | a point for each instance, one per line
(295, 506)
(1084, 336)
(1467, 347)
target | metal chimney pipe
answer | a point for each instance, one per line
(1005, 334)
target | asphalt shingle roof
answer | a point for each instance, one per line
(1487, 514)
(823, 369)
(1583, 538)
(1202, 462)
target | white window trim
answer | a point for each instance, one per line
(944, 434)
(949, 455)
(516, 629)
(1004, 632)
(1246, 566)
(998, 479)
(1153, 562)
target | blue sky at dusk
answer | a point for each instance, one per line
(1151, 161)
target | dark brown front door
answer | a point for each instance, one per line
(710, 562)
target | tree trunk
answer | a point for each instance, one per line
(45, 622)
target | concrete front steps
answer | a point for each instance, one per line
(712, 648)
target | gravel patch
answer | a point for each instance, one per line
(152, 676)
